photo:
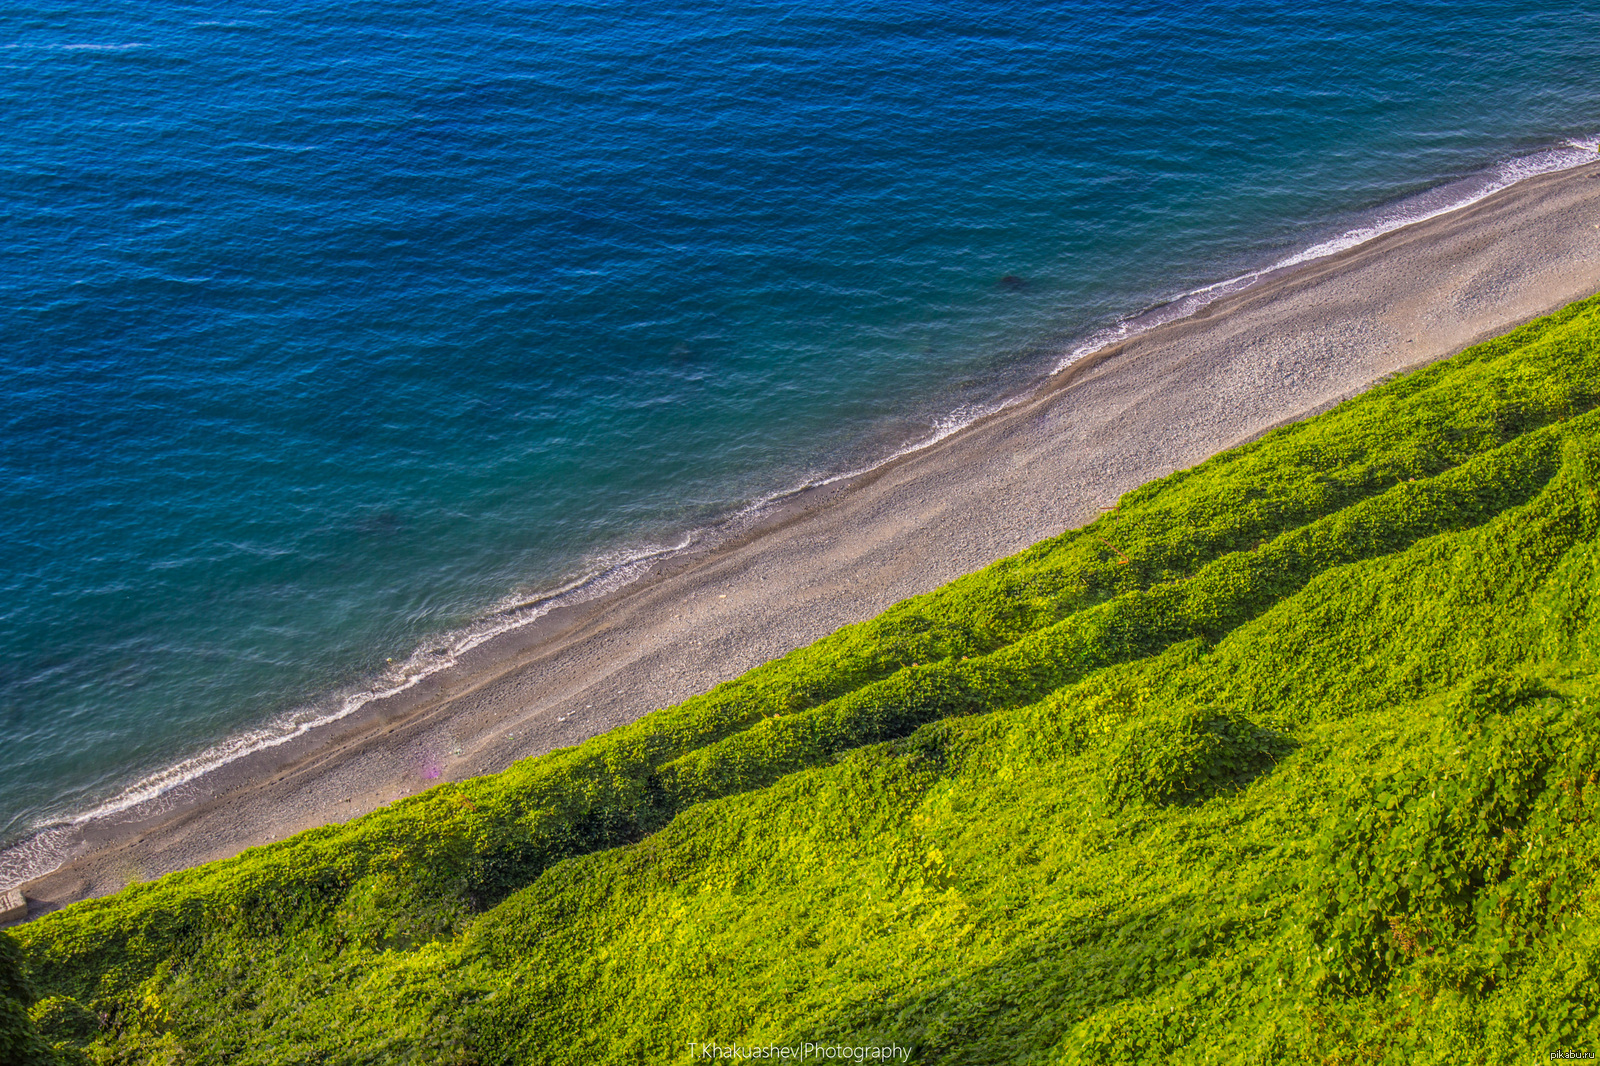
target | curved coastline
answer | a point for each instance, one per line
(1295, 339)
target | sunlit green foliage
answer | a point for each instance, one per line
(1290, 757)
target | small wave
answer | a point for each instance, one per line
(943, 427)
(131, 46)
(607, 573)
(37, 855)
(1440, 200)
(265, 146)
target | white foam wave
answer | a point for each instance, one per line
(37, 855)
(942, 427)
(1442, 200)
(607, 573)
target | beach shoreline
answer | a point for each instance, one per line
(1294, 343)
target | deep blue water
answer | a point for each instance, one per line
(330, 329)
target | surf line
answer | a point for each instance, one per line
(1429, 204)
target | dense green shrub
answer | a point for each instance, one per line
(61, 1018)
(20, 1043)
(1442, 859)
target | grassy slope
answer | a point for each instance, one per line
(1289, 757)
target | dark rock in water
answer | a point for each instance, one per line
(382, 523)
(1013, 283)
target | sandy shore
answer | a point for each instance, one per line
(1292, 345)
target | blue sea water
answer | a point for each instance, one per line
(337, 336)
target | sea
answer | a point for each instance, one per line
(338, 338)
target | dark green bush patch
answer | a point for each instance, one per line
(1186, 756)
(62, 1018)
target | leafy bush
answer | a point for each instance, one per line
(20, 1042)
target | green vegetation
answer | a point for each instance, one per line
(1291, 757)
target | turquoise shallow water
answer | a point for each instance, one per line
(338, 335)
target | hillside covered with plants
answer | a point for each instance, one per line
(1291, 757)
